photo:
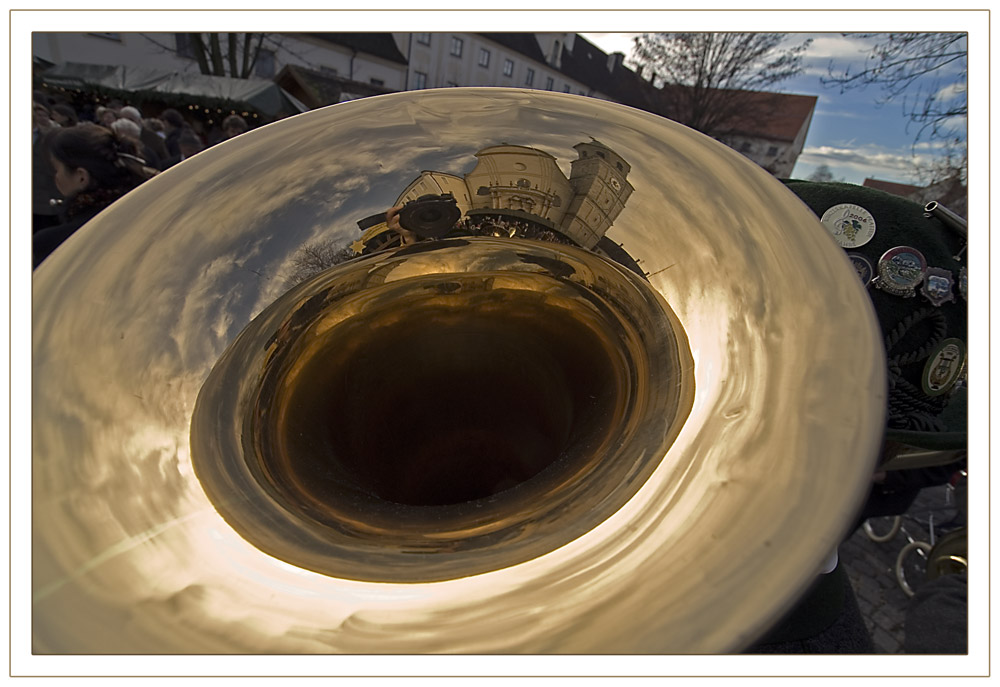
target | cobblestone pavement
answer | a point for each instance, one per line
(870, 566)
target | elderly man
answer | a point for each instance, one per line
(148, 137)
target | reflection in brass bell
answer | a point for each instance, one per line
(430, 216)
(627, 403)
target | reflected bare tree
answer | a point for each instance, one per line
(312, 259)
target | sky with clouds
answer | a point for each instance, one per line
(851, 133)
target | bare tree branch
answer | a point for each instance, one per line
(217, 67)
(928, 70)
(711, 81)
(316, 257)
(198, 46)
(235, 56)
(255, 55)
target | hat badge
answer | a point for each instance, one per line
(937, 286)
(900, 271)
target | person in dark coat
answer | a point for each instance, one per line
(126, 129)
(175, 125)
(189, 144)
(232, 126)
(827, 618)
(93, 168)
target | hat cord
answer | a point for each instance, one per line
(909, 407)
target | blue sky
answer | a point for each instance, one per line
(850, 133)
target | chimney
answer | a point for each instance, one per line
(615, 60)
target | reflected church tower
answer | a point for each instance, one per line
(523, 191)
(600, 189)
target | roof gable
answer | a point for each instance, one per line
(378, 44)
(758, 114)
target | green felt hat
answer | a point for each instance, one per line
(924, 334)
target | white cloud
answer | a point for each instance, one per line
(836, 47)
(823, 111)
(855, 164)
(951, 91)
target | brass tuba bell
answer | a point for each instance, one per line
(628, 404)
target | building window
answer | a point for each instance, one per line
(424, 38)
(376, 82)
(451, 84)
(265, 64)
(530, 78)
(746, 147)
(484, 57)
(508, 67)
(566, 88)
(772, 151)
(549, 81)
(419, 80)
(456, 46)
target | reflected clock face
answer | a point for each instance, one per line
(615, 184)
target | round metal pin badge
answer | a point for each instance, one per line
(900, 271)
(863, 266)
(851, 225)
(944, 367)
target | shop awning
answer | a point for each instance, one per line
(264, 96)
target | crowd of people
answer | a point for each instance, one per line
(82, 164)
(499, 226)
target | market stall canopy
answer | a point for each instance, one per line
(264, 96)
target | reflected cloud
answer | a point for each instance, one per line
(131, 314)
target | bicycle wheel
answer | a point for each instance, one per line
(914, 567)
(872, 530)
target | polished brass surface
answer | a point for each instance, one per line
(141, 546)
(436, 412)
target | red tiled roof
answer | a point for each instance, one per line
(760, 114)
(789, 112)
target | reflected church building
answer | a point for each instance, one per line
(518, 191)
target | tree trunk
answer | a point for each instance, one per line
(199, 52)
(245, 70)
(232, 53)
(218, 68)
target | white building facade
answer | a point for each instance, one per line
(450, 59)
(558, 62)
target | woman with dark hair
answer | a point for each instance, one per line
(64, 115)
(93, 168)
